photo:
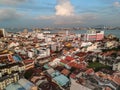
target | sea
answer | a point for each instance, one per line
(107, 32)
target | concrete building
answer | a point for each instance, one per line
(93, 35)
(3, 33)
(116, 66)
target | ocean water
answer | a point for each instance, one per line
(114, 32)
(107, 32)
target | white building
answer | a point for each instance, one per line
(3, 33)
(116, 66)
(93, 35)
(92, 47)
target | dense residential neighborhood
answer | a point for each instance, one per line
(41, 60)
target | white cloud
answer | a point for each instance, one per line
(44, 17)
(64, 8)
(116, 4)
(68, 20)
(75, 19)
(9, 14)
(12, 2)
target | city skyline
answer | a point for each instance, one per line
(59, 13)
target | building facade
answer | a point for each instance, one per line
(93, 35)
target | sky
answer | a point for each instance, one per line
(59, 13)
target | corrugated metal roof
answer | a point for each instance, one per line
(14, 86)
(50, 71)
(26, 84)
(46, 66)
(17, 58)
(61, 80)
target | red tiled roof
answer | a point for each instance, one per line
(71, 64)
(76, 65)
(28, 61)
(64, 61)
(89, 71)
(10, 58)
(69, 58)
(72, 75)
(116, 79)
(81, 54)
(65, 72)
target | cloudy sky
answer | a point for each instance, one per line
(59, 13)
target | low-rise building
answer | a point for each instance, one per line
(116, 66)
(28, 64)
